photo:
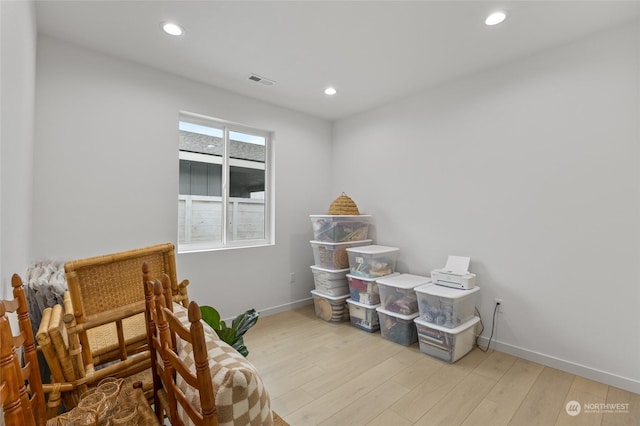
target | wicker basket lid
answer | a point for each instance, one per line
(343, 205)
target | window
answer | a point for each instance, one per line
(224, 192)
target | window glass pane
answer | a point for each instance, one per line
(200, 129)
(246, 219)
(199, 221)
(200, 184)
(201, 139)
(198, 178)
(247, 147)
(244, 181)
(246, 204)
(185, 177)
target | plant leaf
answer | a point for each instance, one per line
(239, 326)
(228, 335)
(240, 347)
(243, 322)
(211, 316)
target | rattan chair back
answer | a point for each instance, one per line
(108, 282)
(108, 300)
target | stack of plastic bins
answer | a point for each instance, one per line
(330, 281)
(364, 299)
(363, 316)
(446, 306)
(365, 290)
(340, 229)
(399, 307)
(447, 344)
(330, 308)
(333, 235)
(366, 265)
(372, 261)
(334, 255)
(447, 324)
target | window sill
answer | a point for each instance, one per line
(204, 247)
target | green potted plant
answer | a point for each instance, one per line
(233, 335)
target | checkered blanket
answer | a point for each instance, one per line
(240, 395)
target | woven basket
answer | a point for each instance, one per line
(343, 205)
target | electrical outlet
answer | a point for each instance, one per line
(500, 304)
(292, 277)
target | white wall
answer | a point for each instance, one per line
(106, 174)
(531, 169)
(17, 86)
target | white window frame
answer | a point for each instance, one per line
(269, 199)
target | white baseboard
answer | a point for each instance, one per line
(286, 307)
(570, 367)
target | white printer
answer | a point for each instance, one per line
(455, 274)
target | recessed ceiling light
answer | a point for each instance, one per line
(495, 18)
(172, 29)
(330, 91)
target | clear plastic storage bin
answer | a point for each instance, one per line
(330, 308)
(330, 281)
(446, 306)
(334, 255)
(447, 344)
(372, 261)
(397, 293)
(339, 228)
(397, 327)
(364, 290)
(363, 316)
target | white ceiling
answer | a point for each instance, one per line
(372, 52)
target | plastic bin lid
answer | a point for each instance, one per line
(326, 296)
(397, 315)
(444, 291)
(404, 281)
(459, 329)
(373, 249)
(333, 271)
(362, 305)
(338, 216)
(357, 277)
(345, 243)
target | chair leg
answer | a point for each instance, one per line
(53, 403)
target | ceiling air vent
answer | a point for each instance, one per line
(261, 80)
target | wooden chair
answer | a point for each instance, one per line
(160, 399)
(108, 332)
(22, 394)
(59, 353)
(108, 304)
(164, 331)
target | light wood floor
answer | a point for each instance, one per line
(321, 373)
